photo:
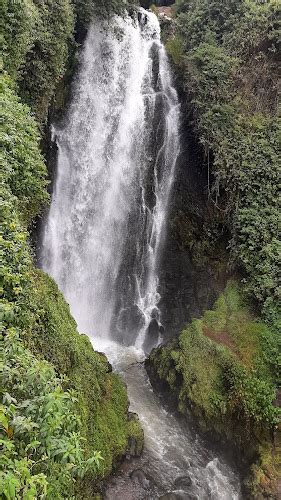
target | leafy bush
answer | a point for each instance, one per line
(15, 257)
(23, 168)
(245, 396)
(86, 9)
(41, 441)
(43, 30)
(38, 38)
(18, 20)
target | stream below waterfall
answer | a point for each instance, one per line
(102, 242)
(176, 462)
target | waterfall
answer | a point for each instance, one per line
(117, 151)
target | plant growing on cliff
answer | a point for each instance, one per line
(227, 59)
(42, 30)
(38, 38)
(23, 168)
(42, 446)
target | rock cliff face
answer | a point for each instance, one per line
(193, 272)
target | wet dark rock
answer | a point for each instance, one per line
(142, 19)
(188, 284)
(133, 446)
(136, 439)
(152, 335)
(171, 496)
(153, 327)
(139, 475)
(132, 416)
(182, 482)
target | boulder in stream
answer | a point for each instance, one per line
(139, 475)
(136, 436)
(170, 495)
(183, 482)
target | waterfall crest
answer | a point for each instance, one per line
(117, 151)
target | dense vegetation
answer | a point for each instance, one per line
(40, 40)
(64, 415)
(42, 445)
(226, 53)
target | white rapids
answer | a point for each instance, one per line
(105, 230)
(172, 450)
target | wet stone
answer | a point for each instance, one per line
(139, 475)
(171, 496)
(182, 482)
(132, 416)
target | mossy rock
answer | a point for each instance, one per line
(222, 369)
(136, 436)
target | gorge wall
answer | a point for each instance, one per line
(212, 365)
(193, 270)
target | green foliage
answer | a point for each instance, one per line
(44, 63)
(110, 425)
(136, 435)
(223, 360)
(43, 30)
(38, 37)
(228, 58)
(250, 397)
(252, 341)
(23, 168)
(103, 402)
(86, 9)
(15, 257)
(17, 25)
(40, 428)
(174, 47)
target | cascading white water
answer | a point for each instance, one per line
(103, 237)
(113, 183)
